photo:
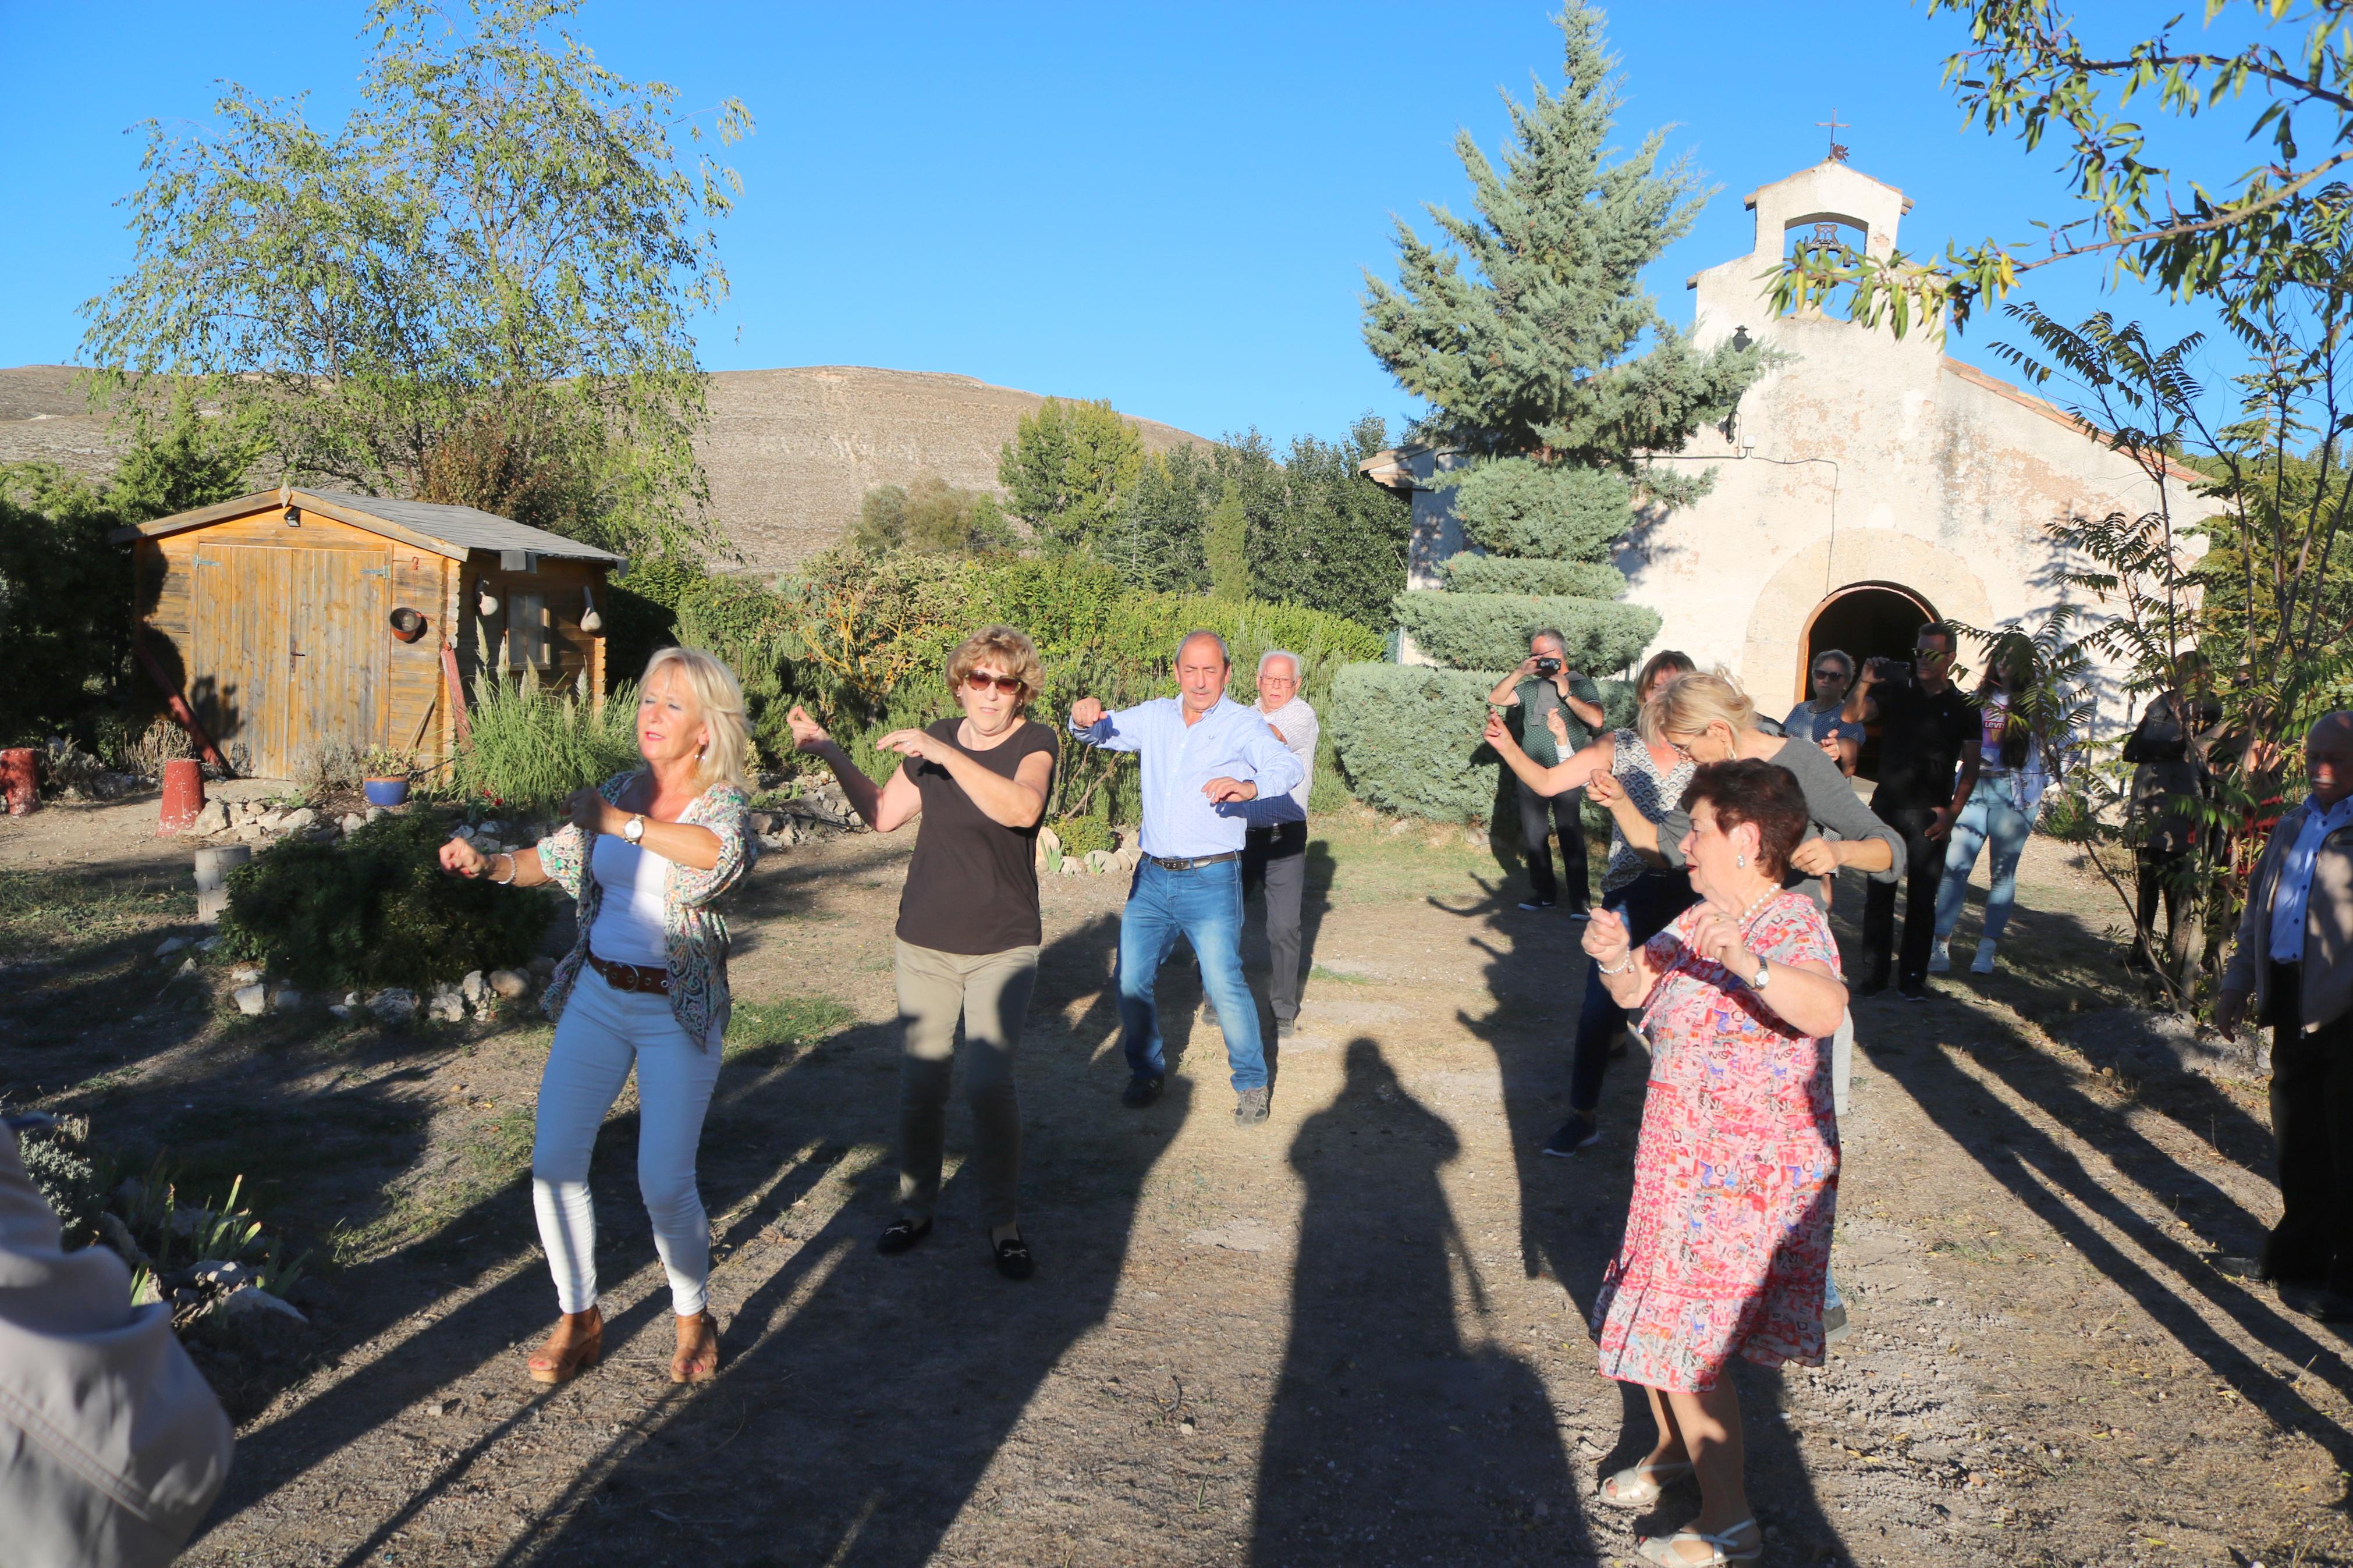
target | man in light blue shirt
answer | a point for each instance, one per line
(1204, 759)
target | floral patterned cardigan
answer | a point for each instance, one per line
(697, 932)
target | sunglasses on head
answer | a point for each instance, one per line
(1009, 684)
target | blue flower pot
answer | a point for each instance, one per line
(387, 792)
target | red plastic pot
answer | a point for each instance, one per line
(20, 779)
(183, 795)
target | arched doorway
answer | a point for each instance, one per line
(1864, 620)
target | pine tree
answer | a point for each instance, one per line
(1229, 546)
(1548, 369)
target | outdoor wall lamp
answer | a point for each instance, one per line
(590, 621)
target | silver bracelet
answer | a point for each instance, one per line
(508, 880)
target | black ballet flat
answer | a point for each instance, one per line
(1013, 1260)
(901, 1236)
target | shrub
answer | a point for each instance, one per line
(1490, 631)
(1468, 573)
(1083, 835)
(163, 742)
(57, 1158)
(375, 910)
(1409, 736)
(329, 767)
(529, 749)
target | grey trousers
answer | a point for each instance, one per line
(1277, 856)
(990, 993)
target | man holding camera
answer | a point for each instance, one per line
(1927, 730)
(1542, 686)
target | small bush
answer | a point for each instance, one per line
(1408, 735)
(375, 910)
(1490, 631)
(58, 1161)
(529, 749)
(1083, 835)
(329, 767)
(163, 742)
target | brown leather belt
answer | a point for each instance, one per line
(631, 976)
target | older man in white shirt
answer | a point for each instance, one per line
(2293, 956)
(1275, 854)
(1206, 757)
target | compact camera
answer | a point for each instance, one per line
(1547, 667)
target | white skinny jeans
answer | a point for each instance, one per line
(601, 1032)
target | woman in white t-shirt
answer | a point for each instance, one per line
(2003, 807)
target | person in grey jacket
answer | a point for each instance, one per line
(2293, 956)
(111, 1444)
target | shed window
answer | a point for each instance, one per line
(528, 642)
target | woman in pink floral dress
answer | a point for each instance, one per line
(1728, 1237)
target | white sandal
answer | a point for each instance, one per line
(1639, 1486)
(1662, 1549)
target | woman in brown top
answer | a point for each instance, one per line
(968, 930)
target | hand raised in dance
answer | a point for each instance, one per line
(1558, 725)
(1221, 791)
(1815, 858)
(1718, 939)
(915, 744)
(461, 859)
(1606, 939)
(1086, 714)
(1498, 734)
(808, 736)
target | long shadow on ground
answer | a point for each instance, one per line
(1387, 1430)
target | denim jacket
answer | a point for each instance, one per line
(697, 932)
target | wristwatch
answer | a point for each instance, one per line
(634, 830)
(1763, 973)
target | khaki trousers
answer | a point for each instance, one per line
(989, 991)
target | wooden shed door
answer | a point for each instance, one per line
(295, 642)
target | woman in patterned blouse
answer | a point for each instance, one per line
(645, 856)
(1727, 1238)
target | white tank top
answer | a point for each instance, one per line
(629, 927)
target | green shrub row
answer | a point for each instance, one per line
(1409, 737)
(1490, 631)
(375, 910)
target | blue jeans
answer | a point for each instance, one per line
(1988, 816)
(1205, 907)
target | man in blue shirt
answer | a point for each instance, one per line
(1203, 758)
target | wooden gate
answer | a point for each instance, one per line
(295, 643)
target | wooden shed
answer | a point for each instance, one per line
(277, 619)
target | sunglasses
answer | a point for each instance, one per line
(1008, 684)
(1833, 673)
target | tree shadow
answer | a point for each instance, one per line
(1386, 1429)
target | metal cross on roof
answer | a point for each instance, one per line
(1834, 125)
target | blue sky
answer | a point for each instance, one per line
(1169, 206)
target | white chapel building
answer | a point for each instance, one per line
(1866, 485)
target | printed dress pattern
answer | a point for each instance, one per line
(1735, 1176)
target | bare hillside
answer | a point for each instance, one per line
(788, 452)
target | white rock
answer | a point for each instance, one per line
(493, 827)
(351, 998)
(447, 1009)
(462, 831)
(253, 1300)
(1072, 867)
(270, 821)
(1099, 862)
(209, 943)
(251, 1000)
(393, 1005)
(508, 984)
(245, 973)
(225, 1276)
(474, 985)
(375, 811)
(286, 999)
(341, 1011)
(354, 822)
(172, 944)
(253, 833)
(212, 819)
(298, 819)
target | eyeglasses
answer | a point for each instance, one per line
(979, 681)
(1832, 673)
(1681, 750)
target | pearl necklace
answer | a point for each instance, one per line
(1741, 920)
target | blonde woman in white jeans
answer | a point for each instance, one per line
(645, 985)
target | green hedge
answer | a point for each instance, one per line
(1517, 507)
(1409, 737)
(376, 910)
(1490, 631)
(1468, 573)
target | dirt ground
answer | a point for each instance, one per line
(1353, 1336)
